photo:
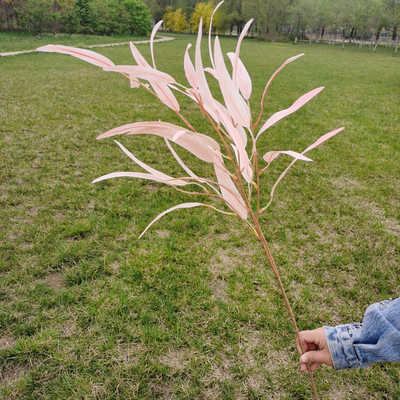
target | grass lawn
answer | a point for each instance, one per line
(191, 311)
(15, 41)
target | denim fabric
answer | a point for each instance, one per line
(376, 339)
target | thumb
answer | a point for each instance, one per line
(313, 357)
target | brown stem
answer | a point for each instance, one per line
(274, 268)
(258, 184)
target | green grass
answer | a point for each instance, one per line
(191, 311)
(15, 41)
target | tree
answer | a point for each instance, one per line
(204, 11)
(300, 17)
(37, 16)
(392, 8)
(10, 10)
(69, 19)
(106, 17)
(137, 17)
(83, 13)
(175, 20)
(270, 16)
(157, 8)
(230, 21)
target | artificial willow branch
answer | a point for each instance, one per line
(230, 120)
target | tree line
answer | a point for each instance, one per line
(104, 17)
(346, 20)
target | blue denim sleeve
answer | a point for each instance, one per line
(376, 339)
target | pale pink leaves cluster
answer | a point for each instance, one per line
(232, 120)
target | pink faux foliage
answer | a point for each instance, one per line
(231, 119)
(236, 165)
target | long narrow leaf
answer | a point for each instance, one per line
(153, 33)
(155, 172)
(147, 73)
(323, 139)
(272, 155)
(160, 87)
(86, 55)
(242, 76)
(204, 90)
(234, 102)
(228, 189)
(318, 142)
(165, 95)
(294, 107)
(140, 175)
(200, 145)
(288, 61)
(189, 69)
(137, 55)
(209, 33)
(235, 63)
(186, 168)
(159, 216)
(242, 156)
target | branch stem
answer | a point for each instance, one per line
(275, 271)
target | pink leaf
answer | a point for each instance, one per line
(147, 73)
(272, 155)
(235, 134)
(140, 60)
(225, 116)
(153, 33)
(154, 172)
(228, 190)
(322, 139)
(242, 35)
(159, 216)
(189, 69)
(288, 61)
(204, 90)
(87, 55)
(209, 32)
(235, 64)
(243, 163)
(140, 175)
(133, 82)
(294, 107)
(158, 80)
(243, 77)
(165, 95)
(198, 144)
(179, 160)
(236, 105)
(211, 71)
(163, 92)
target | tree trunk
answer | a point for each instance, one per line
(362, 39)
(297, 24)
(352, 32)
(343, 37)
(394, 34)
(10, 22)
(378, 34)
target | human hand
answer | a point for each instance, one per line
(316, 350)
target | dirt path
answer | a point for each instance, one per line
(162, 39)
